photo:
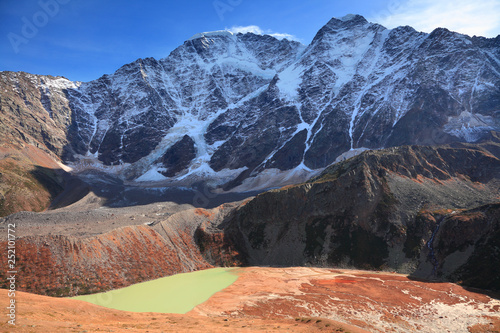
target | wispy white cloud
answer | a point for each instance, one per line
(250, 28)
(258, 31)
(481, 18)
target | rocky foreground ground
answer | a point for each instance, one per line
(430, 214)
(298, 299)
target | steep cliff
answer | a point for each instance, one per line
(465, 247)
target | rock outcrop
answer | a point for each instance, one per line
(465, 246)
(395, 209)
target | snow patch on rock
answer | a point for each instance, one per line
(223, 33)
(469, 126)
(152, 175)
(350, 153)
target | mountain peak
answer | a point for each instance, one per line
(356, 86)
(224, 33)
(350, 17)
(348, 20)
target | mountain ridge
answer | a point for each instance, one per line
(256, 107)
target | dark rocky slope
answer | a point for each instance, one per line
(29, 179)
(395, 209)
(466, 246)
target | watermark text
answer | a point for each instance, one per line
(223, 6)
(11, 272)
(31, 25)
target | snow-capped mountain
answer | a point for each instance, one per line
(247, 108)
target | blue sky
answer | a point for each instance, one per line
(84, 39)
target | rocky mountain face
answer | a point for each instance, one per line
(35, 110)
(430, 212)
(34, 120)
(229, 107)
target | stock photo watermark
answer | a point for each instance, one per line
(393, 7)
(223, 6)
(31, 25)
(11, 273)
(202, 196)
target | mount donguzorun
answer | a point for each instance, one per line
(386, 139)
(247, 111)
